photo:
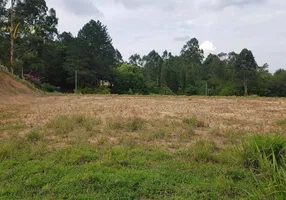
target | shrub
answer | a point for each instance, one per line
(48, 87)
(3, 68)
(160, 90)
(192, 90)
(229, 90)
(33, 79)
(99, 90)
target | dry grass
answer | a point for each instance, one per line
(164, 121)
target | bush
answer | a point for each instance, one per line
(160, 90)
(3, 68)
(229, 90)
(99, 90)
(191, 90)
(48, 87)
(33, 79)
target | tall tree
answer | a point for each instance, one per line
(92, 54)
(135, 59)
(246, 68)
(192, 57)
(153, 68)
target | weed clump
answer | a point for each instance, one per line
(265, 157)
(67, 124)
(194, 122)
(258, 148)
(130, 124)
(34, 136)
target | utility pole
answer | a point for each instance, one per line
(22, 74)
(75, 81)
(12, 35)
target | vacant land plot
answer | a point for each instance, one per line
(140, 147)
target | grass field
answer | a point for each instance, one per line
(142, 147)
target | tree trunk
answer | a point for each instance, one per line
(245, 88)
(12, 35)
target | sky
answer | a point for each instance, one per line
(139, 26)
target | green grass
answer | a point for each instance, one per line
(265, 157)
(33, 166)
(84, 172)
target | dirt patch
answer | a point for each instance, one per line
(12, 90)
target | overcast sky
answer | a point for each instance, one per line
(139, 26)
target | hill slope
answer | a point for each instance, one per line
(10, 88)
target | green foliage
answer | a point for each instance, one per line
(48, 87)
(98, 90)
(160, 90)
(265, 156)
(261, 147)
(192, 90)
(91, 53)
(229, 90)
(3, 68)
(129, 80)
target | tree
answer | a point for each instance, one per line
(4, 34)
(92, 54)
(135, 59)
(246, 68)
(153, 68)
(129, 80)
(12, 34)
(191, 59)
(278, 84)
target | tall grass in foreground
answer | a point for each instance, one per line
(265, 157)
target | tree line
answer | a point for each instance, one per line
(50, 59)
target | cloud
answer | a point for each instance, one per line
(165, 5)
(133, 4)
(221, 4)
(82, 8)
(182, 38)
(207, 46)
